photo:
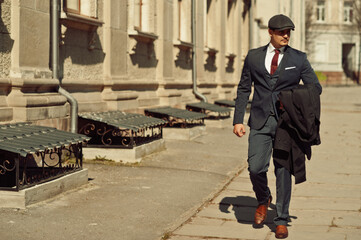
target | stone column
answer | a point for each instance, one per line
(33, 94)
(221, 55)
(6, 45)
(167, 53)
(116, 92)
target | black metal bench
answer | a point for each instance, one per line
(119, 129)
(177, 117)
(31, 154)
(225, 103)
(231, 103)
(211, 110)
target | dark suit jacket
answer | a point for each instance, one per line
(293, 67)
(298, 129)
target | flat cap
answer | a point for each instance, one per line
(280, 22)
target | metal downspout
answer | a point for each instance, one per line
(250, 24)
(55, 65)
(194, 69)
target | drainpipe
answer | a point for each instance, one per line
(55, 65)
(250, 24)
(194, 70)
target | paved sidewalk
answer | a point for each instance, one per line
(207, 178)
(137, 202)
(326, 206)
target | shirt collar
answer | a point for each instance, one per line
(271, 48)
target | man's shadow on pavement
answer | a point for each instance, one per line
(244, 208)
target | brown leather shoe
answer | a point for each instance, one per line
(281, 231)
(261, 212)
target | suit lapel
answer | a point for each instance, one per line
(262, 57)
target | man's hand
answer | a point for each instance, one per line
(239, 130)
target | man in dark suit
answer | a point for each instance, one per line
(271, 69)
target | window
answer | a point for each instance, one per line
(184, 26)
(321, 52)
(320, 11)
(81, 15)
(347, 12)
(143, 19)
(138, 14)
(73, 6)
(82, 7)
(210, 21)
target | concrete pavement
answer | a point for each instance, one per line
(140, 201)
(200, 189)
(326, 206)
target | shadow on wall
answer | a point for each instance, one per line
(144, 55)
(84, 48)
(230, 64)
(210, 64)
(6, 43)
(246, 8)
(184, 59)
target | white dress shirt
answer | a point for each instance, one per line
(269, 55)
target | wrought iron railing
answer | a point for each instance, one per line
(212, 111)
(119, 129)
(31, 155)
(177, 117)
(225, 103)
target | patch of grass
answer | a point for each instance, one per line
(100, 158)
(69, 160)
(333, 223)
(321, 76)
(166, 236)
(103, 160)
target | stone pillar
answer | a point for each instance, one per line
(200, 44)
(166, 51)
(6, 45)
(33, 96)
(221, 40)
(221, 55)
(116, 93)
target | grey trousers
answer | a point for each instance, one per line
(259, 156)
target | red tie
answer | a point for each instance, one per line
(275, 61)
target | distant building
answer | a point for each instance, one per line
(264, 9)
(333, 40)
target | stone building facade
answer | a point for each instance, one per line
(126, 55)
(264, 9)
(333, 39)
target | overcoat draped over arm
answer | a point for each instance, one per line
(297, 129)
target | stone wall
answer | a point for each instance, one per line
(5, 39)
(327, 40)
(6, 45)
